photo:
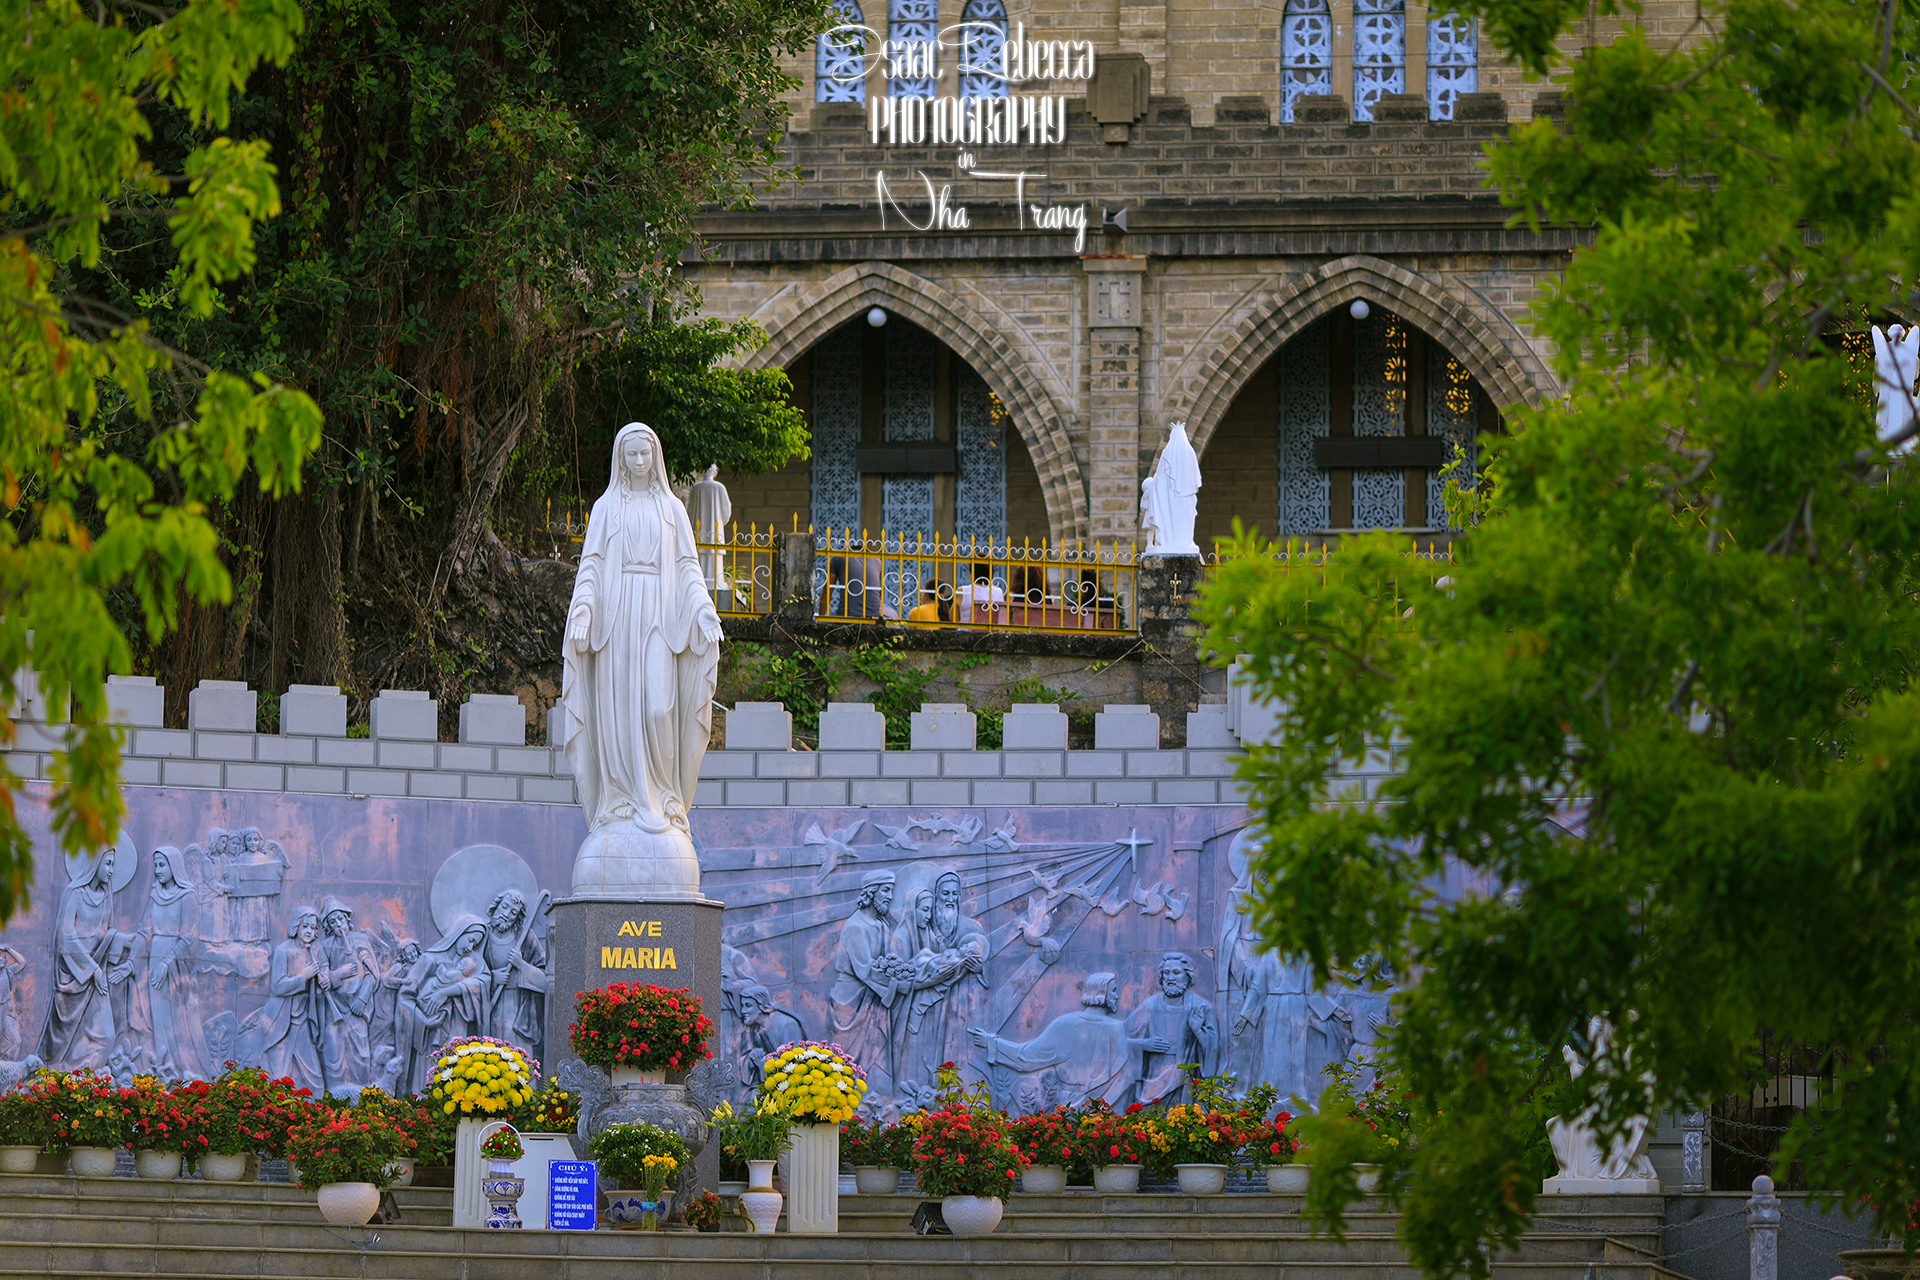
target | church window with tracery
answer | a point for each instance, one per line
(912, 29)
(1453, 62)
(1379, 52)
(840, 57)
(983, 40)
(1306, 52)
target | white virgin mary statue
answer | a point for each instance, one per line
(641, 654)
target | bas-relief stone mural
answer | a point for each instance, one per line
(1057, 954)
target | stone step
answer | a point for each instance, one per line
(479, 1255)
(144, 1199)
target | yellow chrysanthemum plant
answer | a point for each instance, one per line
(482, 1076)
(811, 1082)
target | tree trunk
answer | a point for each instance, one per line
(484, 459)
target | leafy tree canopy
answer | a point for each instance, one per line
(81, 519)
(1659, 714)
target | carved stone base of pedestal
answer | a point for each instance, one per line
(1600, 1187)
(624, 861)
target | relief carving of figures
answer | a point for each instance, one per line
(1089, 1051)
(254, 875)
(13, 968)
(450, 997)
(1182, 1017)
(348, 975)
(766, 1029)
(216, 858)
(403, 961)
(516, 958)
(92, 963)
(948, 952)
(869, 980)
(172, 943)
(287, 1028)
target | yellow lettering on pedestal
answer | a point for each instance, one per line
(628, 930)
(609, 957)
(668, 963)
(630, 961)
(653, 928)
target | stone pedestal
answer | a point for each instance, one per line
(597, 941)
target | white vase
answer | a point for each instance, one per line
(760, 1175)
(158, 1165)
(971, 1215)
(875, 1179)
(19, 1159)
(1368, 1177)
(762, 1208)
(403, 1171)
(1117, 1179)
(813, 1182)
(218, 1168)
(1201, 1179)
(348, 1204)
(1044, 1179)
(1288, 1179)
(93, 1162)
(633, 1075)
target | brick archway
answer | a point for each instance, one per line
(1476, 334)
(1000, 353)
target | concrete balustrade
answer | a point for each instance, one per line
(758, 766)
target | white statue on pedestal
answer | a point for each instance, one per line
(712, 509)
(1585, 1170)
(1896, 362)
(641, 655)
(1170, 498)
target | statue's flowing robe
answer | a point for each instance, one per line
(638, 702)
(1088, 1050)
(82, 1020)
(864, 992)
(1194, 1039)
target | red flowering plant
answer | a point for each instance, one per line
(1050, 1138)
(410, 1116)
(1209, 1127)
(1273, 1142)
(1105, 1137)
(24, 1120)
(162, 1119)
(245, 1111)
(82, 1109)
(865, 1140)
(965, 1148)
(347, 1145)
(641, 1026)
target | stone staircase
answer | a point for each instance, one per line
(124, 1227)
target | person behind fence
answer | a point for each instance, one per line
(932, 608)
(983, 600)
(852, 590)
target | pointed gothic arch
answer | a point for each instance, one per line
(998, 350)
(1476, 333)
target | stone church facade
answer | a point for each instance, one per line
(992, 337)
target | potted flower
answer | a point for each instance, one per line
(347, 1157)
(1275, 1147)
(88, 1118)
(553, 1110)
(638, 1032)
(1050, 1140)
(162, 1125)
(878, 1152)
(25, 1130)
(1116, 1146)
(965, 1156)
(409, 1116)
(1380, 1115)
(1201, 1143)
(481, 1076)
(500, 1149)
(643, 1158)
(247, 1114)
(750, 1144)
(703, 1214)
(817, 1087)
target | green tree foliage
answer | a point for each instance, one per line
(81, 519)
(1660, 713)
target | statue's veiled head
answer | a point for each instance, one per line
(638, 462)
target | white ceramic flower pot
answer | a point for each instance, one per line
(158, 1165)
(93, 1162)
(1044, 1179)
(813, 1182)
(19, 1159)
(348, 1204)
(1288, 1179)
(219, 1168)
(971, 1215)
(1201, 1179)
(633, 1075)
(762, 1210)
(1368, 1176)
(875, 1179)
(1117, 1179)
(403, 1171)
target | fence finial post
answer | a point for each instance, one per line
(1763, 1231)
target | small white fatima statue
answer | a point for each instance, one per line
(641, 654)
(711, 509)
(1170, 498)
(1896, 362)
(1585, 1170)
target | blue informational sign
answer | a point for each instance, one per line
(571, 1194)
